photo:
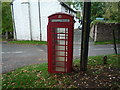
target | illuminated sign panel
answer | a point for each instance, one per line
(60, 20)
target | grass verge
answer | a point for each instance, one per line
(37, 76)
(0, 39)
(27, 42)
(106, 42)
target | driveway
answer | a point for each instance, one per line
(18, 55)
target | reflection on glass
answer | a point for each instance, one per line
(61, 42)
(66, 30)
(59, 53)
(60, 58)
(60, 30)
(66, 53)
(60, 47)
(60, 63)
(60, 37)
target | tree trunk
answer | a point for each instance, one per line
(85, 36)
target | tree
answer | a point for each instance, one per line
(97, 10)
(85, 36)
(7, 25)
(0, 18)
(107, 10)
(77, 6)
(111, 11)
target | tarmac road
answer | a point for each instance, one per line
(16, 55)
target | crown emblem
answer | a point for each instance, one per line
(59, 16)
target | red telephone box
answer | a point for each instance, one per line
(60, 43)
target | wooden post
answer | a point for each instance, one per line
(114, 40)
(85, 36)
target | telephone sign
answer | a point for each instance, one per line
(60, 20)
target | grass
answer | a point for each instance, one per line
(112, 60)
(106, 42)
(23, 41)
(37, 76)
(27, 42)
(0, 39)
(34, 76)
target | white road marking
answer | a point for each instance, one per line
(17, 52)
(102, 48)
(41, 50)
(105, 48)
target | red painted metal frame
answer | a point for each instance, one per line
(51, 42)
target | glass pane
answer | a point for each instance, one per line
(66, 42)
(66, 35)
(66, 30)
(59, 53)
(60, 30)
(60, 64)
(59, 69)
(66, 59)
(60, 47)
(61, 42)
(66, 47)
(66, 53)
(62, 37)
(58, 36)
(60, 58)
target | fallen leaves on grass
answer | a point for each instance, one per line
(97, 77)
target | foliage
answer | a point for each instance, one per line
(7, 25)
(69, 3)
(78, 15)
(77, 6)
(97, 10)
(96, 22)
(0, 18)
(37, 76)
(111, 11)
(119, 11)
(107, 10)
